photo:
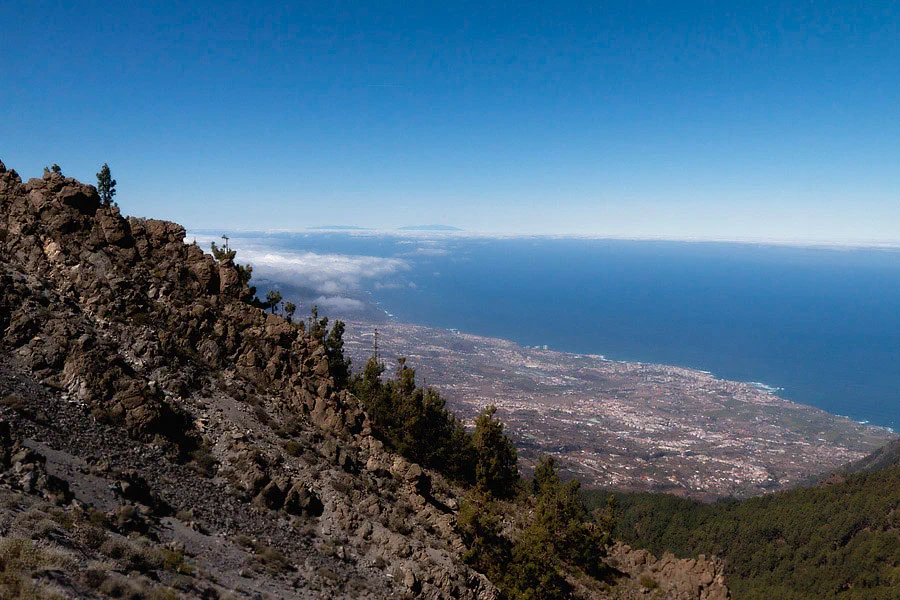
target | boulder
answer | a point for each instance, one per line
(115, 229)
(272, 496)
(83, 198)
(301, 500)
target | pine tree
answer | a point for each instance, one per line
(495, 470)
(289, 309)
(273, 297)
(317, 327)
(545, 476)
(245, 272)
(414, 421)
(222, 254)
(106, 185)
(338, 363)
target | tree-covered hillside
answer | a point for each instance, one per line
(837, 540)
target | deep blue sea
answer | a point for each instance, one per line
(823, 324)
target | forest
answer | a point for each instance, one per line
(837, 539)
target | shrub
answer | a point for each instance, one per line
(15, 402)
(91, 536)
(174, 560)
(19, 559)
(203, 461)
(648, 582)
(293, 448)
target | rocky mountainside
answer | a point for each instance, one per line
(164, 437)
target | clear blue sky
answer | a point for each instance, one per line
(755, 120)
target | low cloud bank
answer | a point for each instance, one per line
(333, 281)
(326, 274)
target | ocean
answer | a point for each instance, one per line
(821, 326)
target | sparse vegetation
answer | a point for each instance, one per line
(20, 559)
(265, 558)
(42, 556)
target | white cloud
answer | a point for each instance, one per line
(339, 304)
(430, 252)
(332, 276)
(426, 248)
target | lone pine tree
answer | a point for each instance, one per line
(106, 185)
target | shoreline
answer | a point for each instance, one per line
(761, 386)
(630, 425)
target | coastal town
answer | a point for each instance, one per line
(625, 425)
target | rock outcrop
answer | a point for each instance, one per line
(139, 317)
(700, 578)
(119, 327)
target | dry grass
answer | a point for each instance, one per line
(21, 559)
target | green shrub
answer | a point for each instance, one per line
(293, 448)
(174, 560)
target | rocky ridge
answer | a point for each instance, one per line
(145, 394)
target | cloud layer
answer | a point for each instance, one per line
(326, 274)
(333, 280)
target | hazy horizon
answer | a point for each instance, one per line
(437, 234)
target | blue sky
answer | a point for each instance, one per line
(713, 120)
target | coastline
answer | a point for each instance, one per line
(762, 386)
(630, 425)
